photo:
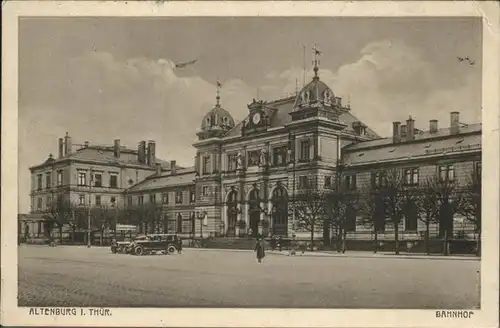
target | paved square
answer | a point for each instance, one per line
(77, 276)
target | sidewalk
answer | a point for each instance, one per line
(353, 254)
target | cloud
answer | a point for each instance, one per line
(390, 81)
(97, 97)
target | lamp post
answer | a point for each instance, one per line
(91, 178)
(201, 217)
(291, 152)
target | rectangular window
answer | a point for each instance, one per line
(328, 181)
(192, 196)
(81, 200)
(140, 200)
(39, 182)
(39, 203)
(49, 202)
(206, 164)
(279, 155)
(48, 180)
(82, 178)
(231, 162)
(59, 178)
(447, 172)
(350, 182)
(97, 200)
(305, 147)
(187, 225)
(178, 197)
(113, 181)
(205, 190)
(253, 158)
(378, 179)
(164, 198)
(304, 181)
(98, 180)
(130, 201)
(411, 176)
(152, 198)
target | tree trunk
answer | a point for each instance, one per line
(375, 241)
(101, 237)
(326, 233)
(478, 247)
(396, 238)
(344, 242)
(339, 240)
(426, 238)
(445, 246)
(312, 237)
(60, 234)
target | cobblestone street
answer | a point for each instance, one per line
(77, 276)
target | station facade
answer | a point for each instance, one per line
(246, 175)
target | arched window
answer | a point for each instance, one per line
(280, 211)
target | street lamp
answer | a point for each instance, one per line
(201, 217)
(291, 158)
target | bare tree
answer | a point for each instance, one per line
(57, 214)
(428, 209)
(373, 212)
(470, 206)
(394, 198)
(311, 208)
(342, 205)
(102, 218)
(449, 202)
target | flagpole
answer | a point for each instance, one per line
(304, 68)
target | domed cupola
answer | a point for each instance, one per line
(217, 122)
(316, 99)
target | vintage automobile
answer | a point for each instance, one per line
(165, 243)
(124, 247)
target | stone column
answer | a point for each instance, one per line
(246, 216)
(224, 219)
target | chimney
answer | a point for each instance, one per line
(173, 169)
(86, 144)
(158, 169)
(410, 128)
(454, 122)
(117, 148)
(61, 147)
(141, 152)
(403, 131)
(396, 131)
(433, 126)
(67, 144)
(151, 157)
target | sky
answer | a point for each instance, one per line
(101, 79)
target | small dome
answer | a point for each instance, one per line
(217, 118)
(315, 91)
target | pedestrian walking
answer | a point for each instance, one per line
(279, 243)
(260, 249)
(179, 246)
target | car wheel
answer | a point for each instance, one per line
(113, 250)
(171, 250)
(139, 250)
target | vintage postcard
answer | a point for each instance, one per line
(241, 164)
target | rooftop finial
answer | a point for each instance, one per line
(219, 86)
(296, 86)
(316, 61)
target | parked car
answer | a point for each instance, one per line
(124, 247)
(166, 243)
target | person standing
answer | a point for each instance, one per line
(260, 249)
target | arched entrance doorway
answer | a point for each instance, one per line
(254, 211)
(280, 212)
(232, 212)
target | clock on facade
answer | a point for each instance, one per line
(256, 118)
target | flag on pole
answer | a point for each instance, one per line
(182, 65)
(317, 52)
(219, 85)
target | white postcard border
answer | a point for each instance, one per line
(203, 317)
